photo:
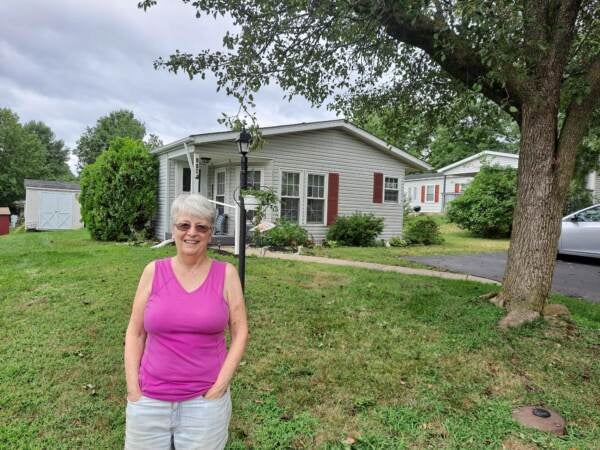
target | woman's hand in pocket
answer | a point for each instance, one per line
(215, 393)
(134, 396)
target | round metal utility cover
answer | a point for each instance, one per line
(534, 417)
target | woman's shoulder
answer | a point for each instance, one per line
(153, 266)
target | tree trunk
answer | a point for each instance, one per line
(536, 222)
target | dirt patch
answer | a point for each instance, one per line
(512, 443)
(324, 279)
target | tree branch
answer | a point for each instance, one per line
(577, 121)
(463, 62)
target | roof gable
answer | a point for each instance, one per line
(340, 124)
(478, 159)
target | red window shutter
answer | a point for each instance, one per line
(437, 193)
(377, 187)
(457, 188)
(333, 189)
(422, 194)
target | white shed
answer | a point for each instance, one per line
(52, 205)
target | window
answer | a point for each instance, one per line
(430, 193)
(290, 196)
(590, 215)
(315, 198)
(253, 178)
(186, 176)
(220, 192)
(390, 190)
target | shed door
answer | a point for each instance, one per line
(55, 210)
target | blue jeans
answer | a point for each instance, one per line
(190, 424)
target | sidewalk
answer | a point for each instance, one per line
(366, 265)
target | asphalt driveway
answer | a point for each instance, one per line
(574, 277)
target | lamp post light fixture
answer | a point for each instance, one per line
(244, 140)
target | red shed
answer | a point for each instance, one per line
(4, 220)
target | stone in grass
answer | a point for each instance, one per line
(542, 419)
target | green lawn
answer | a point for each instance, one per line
(390, 361)
(456, 241)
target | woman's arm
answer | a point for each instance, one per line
(238, 326)
(135, 337)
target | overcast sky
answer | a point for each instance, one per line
(69, 62)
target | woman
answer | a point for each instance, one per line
(177, 365)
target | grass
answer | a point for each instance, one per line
(339, 357)
(456, 241)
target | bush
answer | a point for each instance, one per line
(397, 241)
(119, 192)
(423, 230)
(286, 234)
(357, 230)
(486, 208)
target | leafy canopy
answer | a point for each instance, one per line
(56, 165)
(28, 151)
(119, 192)
(95, 140)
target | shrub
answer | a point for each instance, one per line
(486, 208)
(119, 190)
(357, 230)
(397, 241)
(423, 230)
(286, 234)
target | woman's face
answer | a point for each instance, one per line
(191, 234)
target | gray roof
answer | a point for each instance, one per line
(45, 184)
(421, 176)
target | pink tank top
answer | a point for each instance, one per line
(185, 343)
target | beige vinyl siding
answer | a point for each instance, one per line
(161, 218)
(597, 188)
(325, 151)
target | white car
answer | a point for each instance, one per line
(580, 233)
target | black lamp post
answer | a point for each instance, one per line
(243, 142)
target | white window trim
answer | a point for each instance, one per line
(179, 166)
(397, 189)
(325, 195)
(217, 172)
(300, 191)
(303, 193)
(433, 193)
(261, 171)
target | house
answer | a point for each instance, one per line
(434, 190)
(52, 205)
(593, 185)
(319, 170)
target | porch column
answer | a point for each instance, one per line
(204, 179)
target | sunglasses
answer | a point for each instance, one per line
(184, 226)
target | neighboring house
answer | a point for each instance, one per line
(433, 191)
(52, 205)
(319, 170)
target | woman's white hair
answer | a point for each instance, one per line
(195, 205)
